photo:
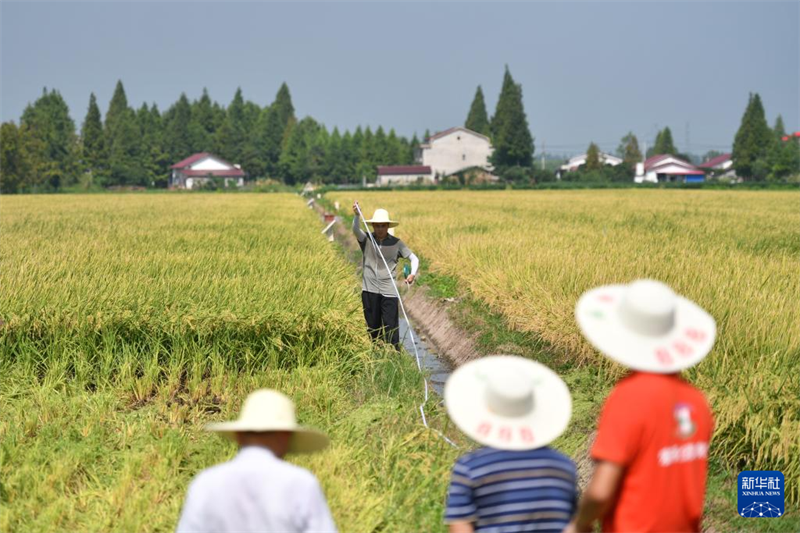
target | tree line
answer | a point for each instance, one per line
(136, 147)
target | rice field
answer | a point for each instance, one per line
(528, 255)
(130, 321)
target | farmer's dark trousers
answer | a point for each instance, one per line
(381, 315)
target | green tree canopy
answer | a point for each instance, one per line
(202, 124)
(513, 143)
(52, 142)
(231, 137)
(628, 150)
(593, 158)
(477, 119)
(753, 141)
(779, 128)
(664, 143)
(19, 163)
(178, 131)
(275, 129)
(300, 158)
(92, 141)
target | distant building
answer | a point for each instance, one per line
(667, 168)
(405, 175)
(198, 169)
(453, 150)
(794, 136)
(579, 160)
(720, 166)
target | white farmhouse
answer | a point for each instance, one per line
(456, 149)
(667, 168)
(194, 171)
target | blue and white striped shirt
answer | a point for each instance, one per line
(504, 491)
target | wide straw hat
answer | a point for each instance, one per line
(508, 402)
(381, 216)
(645, 326)
(269, 410)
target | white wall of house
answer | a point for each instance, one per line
(404, 179)
(579, 160)
(669, 169)
(209, 163)
(456, 151)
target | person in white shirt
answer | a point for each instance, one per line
(257, 491)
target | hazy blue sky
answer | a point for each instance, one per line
(590, 71)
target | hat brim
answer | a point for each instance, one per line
(392, 223)
(304, 440)
(465, 400)
(686, 344)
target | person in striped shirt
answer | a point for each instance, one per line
(514, 407)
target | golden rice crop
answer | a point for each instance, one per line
(530, 254)
(130, 321)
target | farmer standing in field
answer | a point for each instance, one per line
(378, 296)
(652, 441)
(515, 407)
(257, 491)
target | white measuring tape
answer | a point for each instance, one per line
(410, 330)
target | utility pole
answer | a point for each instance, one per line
(543, 148)
(688, 141)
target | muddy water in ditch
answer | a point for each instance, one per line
(432, 365)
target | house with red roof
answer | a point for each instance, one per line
(198, 169)
(668, 168)
(404, 175)
(720, 166)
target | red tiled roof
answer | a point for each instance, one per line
(402, 170)
(652, 160)
(191, 159)
(714, 161)
(197, 157)
(232, 173)
(657, 159)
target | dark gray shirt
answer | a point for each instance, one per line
(375, 278)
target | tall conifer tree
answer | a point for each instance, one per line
(511, 136)
(92, 143)
(477, 119)
(753, 142)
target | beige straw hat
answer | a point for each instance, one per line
(269, 410)
(508, 402)
(645, 326)
(381, 216)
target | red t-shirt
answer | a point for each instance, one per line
(658, 427)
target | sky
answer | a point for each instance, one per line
(590, 71)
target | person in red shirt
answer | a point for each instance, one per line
(652, 441)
